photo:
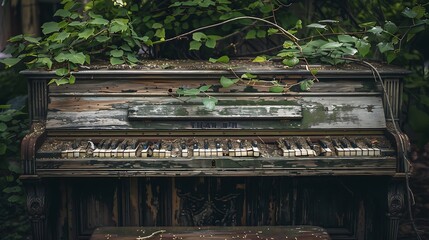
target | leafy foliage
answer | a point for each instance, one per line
(13, 126)
(117, 30)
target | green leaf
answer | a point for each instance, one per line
(88, 32)
(99, 21)
(3, 147)
(288, 44)
(316, 25)
(390, 56)
(227, 82)
(250, 34)
(3, 127)
(118, 25)
(46, 61)
(407, 12)
(198, 36)
(363, 47)
(390, 27)
(276, 89)
(420, 10)
(191, 92)
(306, 84)
(248, 76)
(116, 61)
(61, 72)
(160, 33)
(376, 30)
(210, 103)
(385, 46)
(77, 58)
(157, 25)
(194, 45)
(14, 189)
(290, 62)
(331, 45)
(62, 36)
(102, 39)
(367, 24)
(77, 24)
(116, 53)
(132, 58)
(260, 59)
(210, 43)
(14, 199)
(50, 27)
(72, 79)
(346, 38)
(32, 39)
(272, 31)
(9, 62)
(223, 59)
(261, 33)
(16, 38)
(205, 88)
(62, 13)
(328, 21)
(313, 71)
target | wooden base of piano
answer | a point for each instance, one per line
(212, 233)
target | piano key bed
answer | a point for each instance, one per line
(286, 147)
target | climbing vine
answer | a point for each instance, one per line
(128, 32)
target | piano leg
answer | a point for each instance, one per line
(37, 208)
(396, 206)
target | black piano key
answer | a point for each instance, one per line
(114, 144)
(183, 145)
(229, 144)
(287, 144)
(241, 144)
(132, 144)
(195, 145)
(323, 144)
(106, 144)
(255, 143)
(298, 145)
(310, 144)
(335, 143)
(353, 144)
(123, 145)
(75, 144)
(145, 145)
(206, 144)
(344, 143)
(100, 144)
(170, 147)
(218, 145)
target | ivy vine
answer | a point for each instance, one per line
(128, 32)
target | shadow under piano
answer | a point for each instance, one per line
(123, 148)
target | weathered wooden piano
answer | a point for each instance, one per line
(120, 148)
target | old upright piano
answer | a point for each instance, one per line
(121, 148)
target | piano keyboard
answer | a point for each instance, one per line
(287, 147)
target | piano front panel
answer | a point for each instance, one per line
(122, 146)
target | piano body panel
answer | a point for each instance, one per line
(325, 157)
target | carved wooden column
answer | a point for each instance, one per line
(395, 208)
(37, 207)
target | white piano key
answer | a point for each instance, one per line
(358, 151)
(365, 151)
(256, 152)
(185, 153)
(219, 152)
(377, 152)
(340, 151)
(237, 152)
(231, 152)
